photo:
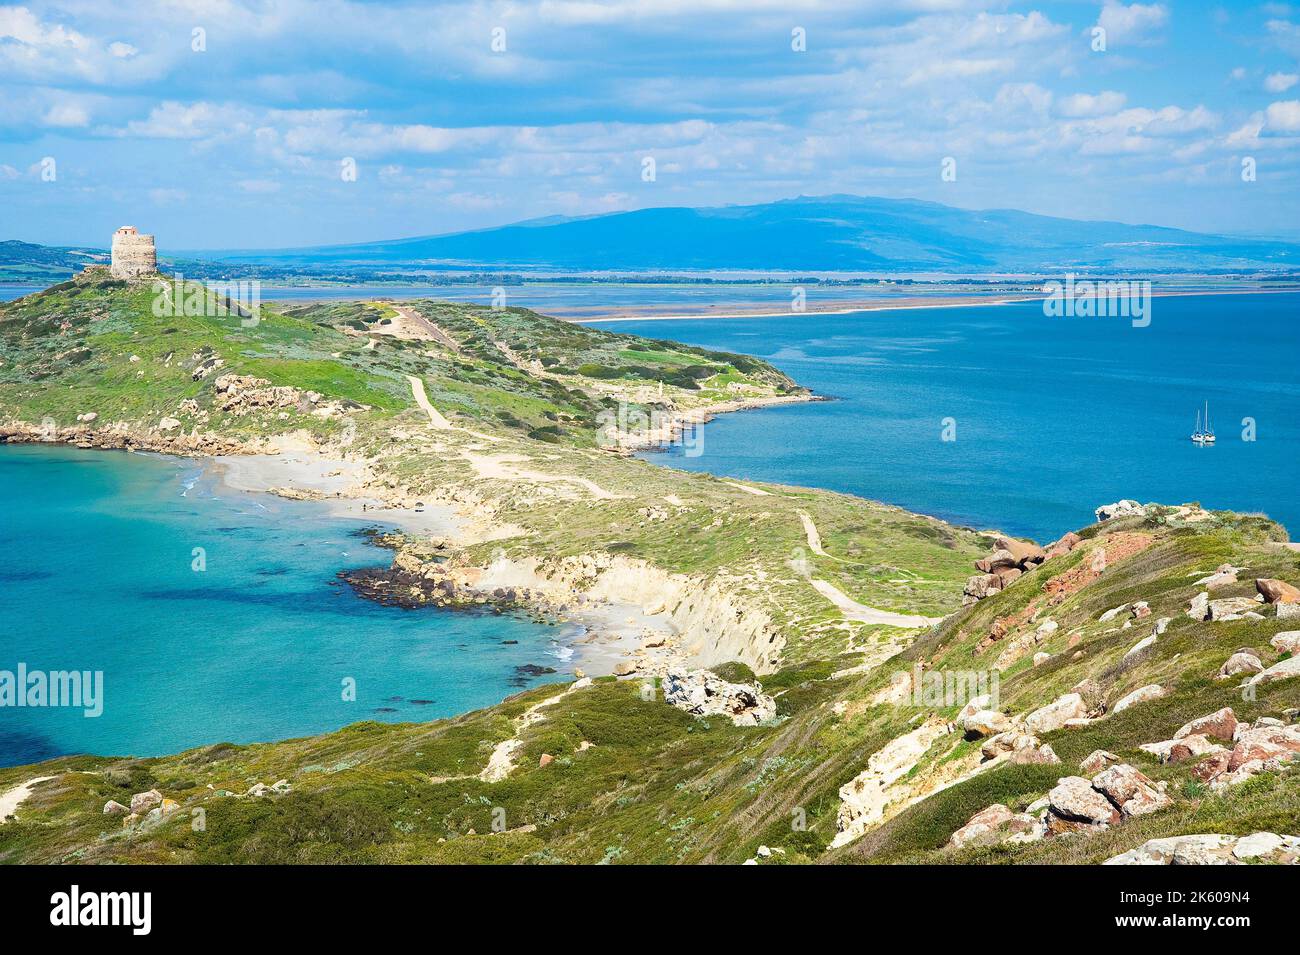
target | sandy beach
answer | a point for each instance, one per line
(756, 310)
(607, 633)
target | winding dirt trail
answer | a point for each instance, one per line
(856, 611)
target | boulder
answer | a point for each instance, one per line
(1152, 691)
(1264, 744)
(1277, 591)
(1282, 670)
(1288, 611)
(703, 693)
(996, 561)
(1130, 790)
(1139, 648)
(993, 824)
(545, 760)
(1112, 613)
(1288, 641)
(1054, 714)
(1064, 545)
(1221, 724)
(1008, 575)
(1017, 746)
(982, 585)
(1097, 760)
(114, 808)
(145, 800)
(1074, 800)
(1199, 607)
(1180, 850)
(1042, 657)
(985, 723)
(1183, 749)
(1124, 508)
(1023, 552)
(1242, 661)
(1229, 608)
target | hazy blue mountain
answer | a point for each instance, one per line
(811, 233)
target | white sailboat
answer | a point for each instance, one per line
(1203, 435)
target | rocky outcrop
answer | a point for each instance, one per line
(1287, 669)
(1231, 608)
(1288, 641)
(1010, 560)
(1130, 791)
(1277, 591)
(1073, 805)
(995, 824)
(1213, 849)
(702, 693)
(1054, 715)
(1143, 694)
(1243, 661)
(863, 799)
(1118, 793)
(1097, 760)
(123, 437)
(1017, 746)
(1221, 724)
(1264, 747)
(1124, 508)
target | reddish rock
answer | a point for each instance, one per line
(1097, 760)
(1265, 743)
(996, 561)
(1277, 591)
(1073, 799)
(546, 760)
(1214, 765)
(1131, 790)
(1221, 724)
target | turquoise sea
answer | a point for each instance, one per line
(1052, 416)
(96, 555)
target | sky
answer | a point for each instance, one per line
(240, 123)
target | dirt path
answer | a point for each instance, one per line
(856, 611)
(435, 416)
(759, 492)
(810, 531)
(13, 798)
(502, 467)
(413, 321)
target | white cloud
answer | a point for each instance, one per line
(66, 114)
(1283, 116)
(1280, 82)
(1087, 104)
(1134, 24)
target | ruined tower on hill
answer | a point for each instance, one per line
(133, 254)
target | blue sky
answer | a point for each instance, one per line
(241, 143)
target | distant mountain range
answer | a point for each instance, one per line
(807, 234)
(827, 233)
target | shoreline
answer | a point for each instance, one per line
(611, 632)
(888, 306)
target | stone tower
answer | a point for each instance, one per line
(133, 254)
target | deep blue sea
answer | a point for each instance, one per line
(96, 555)
(1053, 416)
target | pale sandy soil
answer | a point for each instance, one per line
(841, 307)
(13, 798)
(333, 480)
